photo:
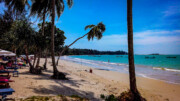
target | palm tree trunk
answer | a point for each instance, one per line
(38, 60)
(55, 71)
(44, 17)
(34, 60)
(65, 48)
(132, 76)
(39, 53)
(27, 57)
(45, 59)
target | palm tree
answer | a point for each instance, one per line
(23, 36)
(132, 76)
(43, 7)
(40, 8)
(59, 9)
(96, 31)
(17, 6)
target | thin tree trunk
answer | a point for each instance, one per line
(39, 53)
(45, 63)
(38, 60)
(55, 71)
(44, 17)
(27, 57)
(65, 48)
(132, 76)
(34, 60)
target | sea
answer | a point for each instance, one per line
(160, 67)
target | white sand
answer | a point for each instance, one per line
(88, 85)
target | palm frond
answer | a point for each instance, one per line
(69, 3)
(89, 26)
(59, 7)
(96, 31)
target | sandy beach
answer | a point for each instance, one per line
(88, 85)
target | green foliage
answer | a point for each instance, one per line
(129, 96)
(78, 97)
(111, 98)
(125, 96)
(17, 6)
(44, 6)
(75, 51)
(6, 21)
(102, 96)
(95, 31)
(37, 98)
(59, 37)
(20, 33)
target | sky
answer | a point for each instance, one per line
(155, 24)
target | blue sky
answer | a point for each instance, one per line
(155, 22)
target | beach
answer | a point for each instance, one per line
(88, 85)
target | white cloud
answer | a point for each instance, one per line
(148, 37)
(146, 42)
(172, 10)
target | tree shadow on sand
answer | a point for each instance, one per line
(59, 88)
(64, 90)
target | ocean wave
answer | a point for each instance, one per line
(166, 69)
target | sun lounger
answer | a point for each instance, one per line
(5, 77)
(5, 72)
(4, 83)
(15, 68)
(6, 91)
(15, 73)
(6, 80)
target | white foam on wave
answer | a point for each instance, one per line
(104, 65)
(174, 70)
(143, 75)
(167, 69)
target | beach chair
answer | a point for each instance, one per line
(15, 68)
(15, 73)
(5, 77)
(4, 83)
(4, 72)
(6, 91)
(6, 80)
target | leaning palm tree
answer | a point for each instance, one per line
(96, 31)
(59, 5)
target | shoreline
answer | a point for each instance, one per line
(166, 75)
(88, 85)
(145, 85)
(178, 69)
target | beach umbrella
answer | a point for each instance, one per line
(6, 53)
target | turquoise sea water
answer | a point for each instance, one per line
(156, 61)
(161, 67)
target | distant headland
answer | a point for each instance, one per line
(75, 51)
